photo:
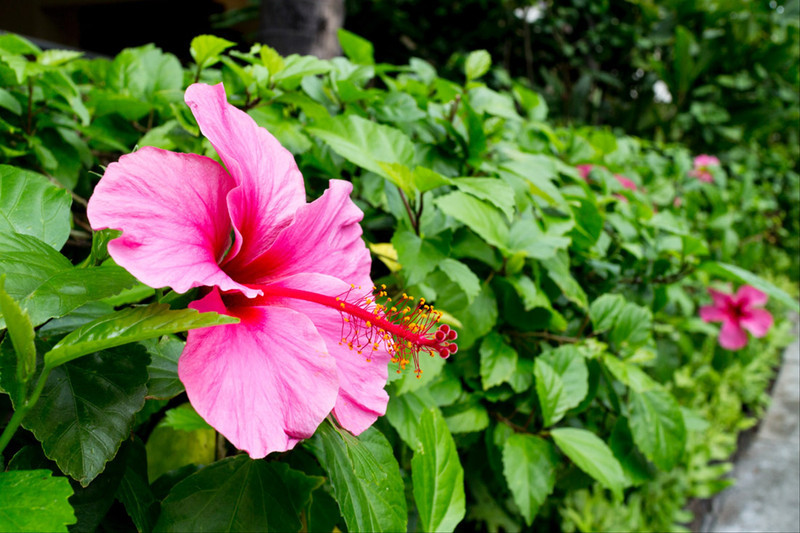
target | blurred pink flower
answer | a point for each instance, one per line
(738, 312)
(701, 171)
(625, 182)
(286, 268)
(584, 170)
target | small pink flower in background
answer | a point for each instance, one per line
(625, 182)
(677, 202)
(738, 312)
(584, 171)
(291, 275)
(701, 171)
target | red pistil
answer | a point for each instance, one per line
(402, 327)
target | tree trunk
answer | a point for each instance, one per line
(302, 26)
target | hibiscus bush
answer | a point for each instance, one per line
(225, 341)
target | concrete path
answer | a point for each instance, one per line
(766, 496)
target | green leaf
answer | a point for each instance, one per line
(30, 204)
(404, 411)
(169, 449)
(529, 466)
(482, 218)
(8, 102)
(467, 417)
(205, 49)
(498, 361)
(477, 64)
(461, 275)
(238, 494)
(21, 332)
(271, 59)
(87, 408)
(129, 325)
(357, 49)
(526, 236)
(164, 382)
(740, 275)
(605, 311)
(657, 426)
(437, 475)
(633, 326)
(629, 374)
(134, 489)
(635, 465)
(418, 257)
(34, 501)
(495, 191)
(365, 143)
(591, 455)
(561, 382)
(296, 67)
(365, 477)
(558, 270)
(185, 418)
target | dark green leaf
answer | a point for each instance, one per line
(365, 477)
(238, 494)
(605, 311)
(437, 475)
(498, 361)
(134, 489)
(163, 368)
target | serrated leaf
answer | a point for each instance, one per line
(164, 382)
(30, 204)
(591, 455)
(633, 326)
(184, 418)
(34, 501)
(559, 271)
(495, 191)
(296, 67)
(437, 475)
(418, 257)
(461, 275)
(404, 411)
(482, 218)
(498, 361)
(365, 477)
(87, 408)
(561, 382)
(238, 494)
(365, 143)
(529, 466)
(129, 325)
(657, 426)
(477, 64)
(605, 310)
(549, 390)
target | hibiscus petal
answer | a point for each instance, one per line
(710, 313)
(270, 187)
(324, 238)
(265, 383)
(732, 336)
(721, 300)
(362, 398)
(172, 212)
(749, 296)
(757, 322)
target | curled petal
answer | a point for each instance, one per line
(362, 377)
(324, 238)
(269, 185)
(172, 212)
(757, 322)
(749, 296)
(710, 313)
(265, 383)
(732, 336)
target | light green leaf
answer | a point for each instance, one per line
(365, 143)
(482, 218)
(404, 411)
(30, 204)
(365, 477)
(21, 332)
(526, 236)
(591, 455)
(296, 67)
(477, 64)
(529, 466)
(561, 382)
(418, 257)
(357, 49)
(466, 418)
(205, 49)
(7, 101)
(605, 311)
(185, 418)
(495, 191)
(633, 326)
(461, 275)
(34, 501)
(437, 475)
(629, 374)
(657, 426)
(129, 325)
(498, 361)
(558, 270)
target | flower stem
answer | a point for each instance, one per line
(19, 414)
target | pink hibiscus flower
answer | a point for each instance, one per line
(584, 171)
(702, 164)
(308, 343)
(738, 312)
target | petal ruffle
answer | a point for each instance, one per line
(324, 238)
(748, 296)
(269, 185)
(172, 211)
(732, 336)
(710, 313)
(757, 322)
(265, 383)
(362, 398)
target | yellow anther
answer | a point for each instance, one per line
(341, 305)
(383, 286)
(369, 324)
(352, 286)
